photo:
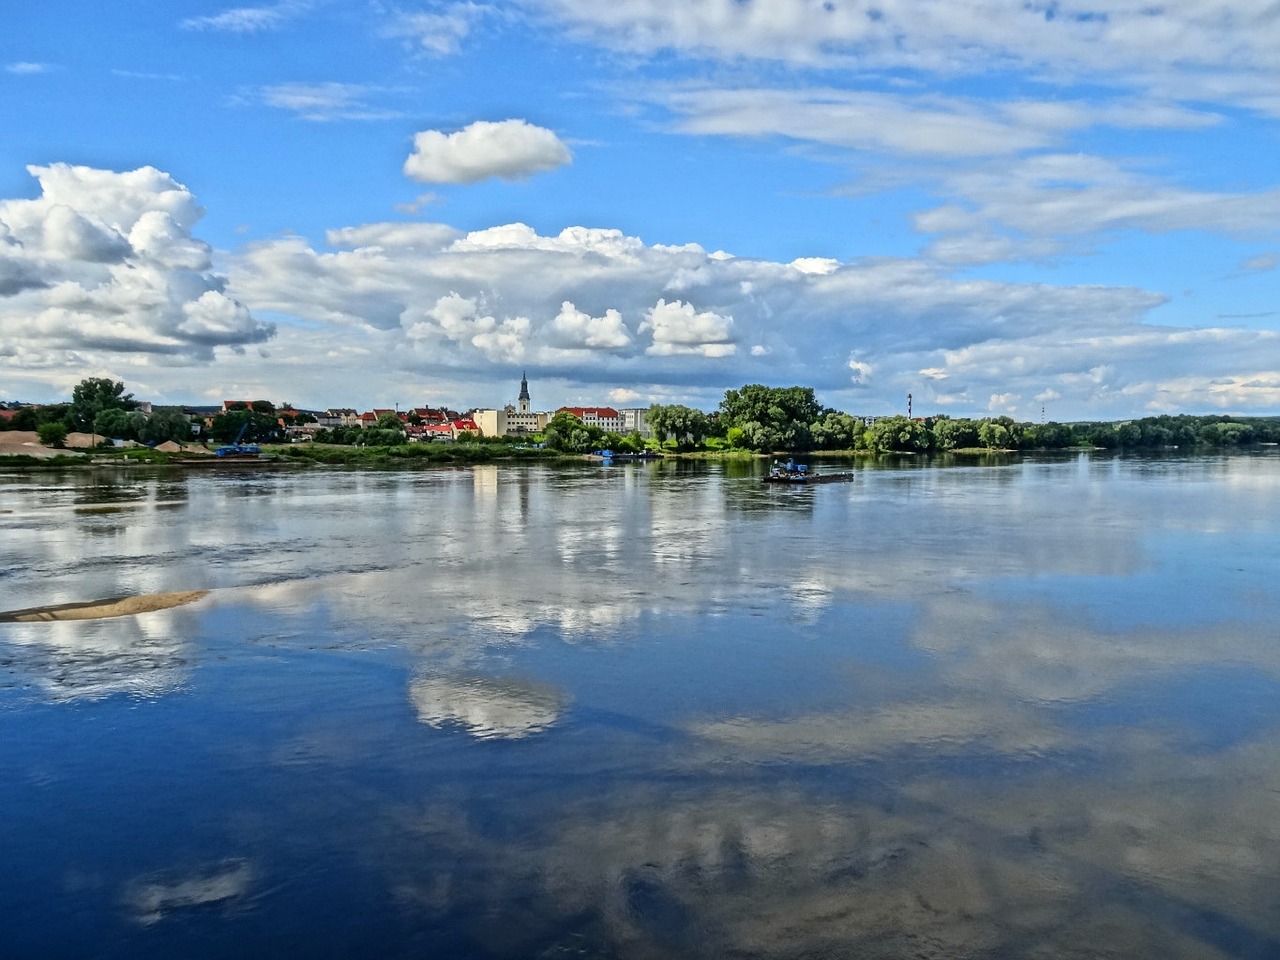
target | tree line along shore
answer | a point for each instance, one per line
(754, 419)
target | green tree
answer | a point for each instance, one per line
(52, 434)
(686, 426)
(117, 424)
(771, 418)
(566, 432)
(91, 396)
(897, 434)
(951, 434)
(836, 431)
(993, 435)
(168, 423)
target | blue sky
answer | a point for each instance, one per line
(998, 207)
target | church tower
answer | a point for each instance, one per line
(524, 393)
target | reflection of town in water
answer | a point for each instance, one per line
(1020, 708)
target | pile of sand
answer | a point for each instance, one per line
(99, 609)
(189, 449)
(25, 443)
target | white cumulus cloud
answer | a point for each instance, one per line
(678, 328)
(575, 329)
(507, 150)
(105, 263)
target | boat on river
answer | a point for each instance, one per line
(790, 472)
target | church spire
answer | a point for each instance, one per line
(524, 392)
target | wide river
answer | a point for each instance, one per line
(1017, 709)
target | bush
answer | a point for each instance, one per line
(53, 434)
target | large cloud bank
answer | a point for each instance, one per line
(105, 263)
(604, 310)
(101, 273)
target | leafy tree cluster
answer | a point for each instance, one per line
(261, 428)
(687, 427)
(94, 396)
(379, 435)
(770, 418)
(940, 434)
(569, 434)
(101, 406)
(756, 417)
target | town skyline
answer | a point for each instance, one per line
(1001, 208)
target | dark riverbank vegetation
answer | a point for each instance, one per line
(766, 419)
(754, 419)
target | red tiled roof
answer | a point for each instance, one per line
(600, 413)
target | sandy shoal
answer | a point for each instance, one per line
(100, 609)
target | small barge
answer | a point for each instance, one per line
(798, 473)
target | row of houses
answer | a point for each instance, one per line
(430, 423)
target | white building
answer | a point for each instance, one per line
(635, 418)
(513, 419)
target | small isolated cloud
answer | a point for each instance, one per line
(860, 370)
(438, 34)
(678, 329)
(247, 19)
(143, 75)
(322, 102)
(23, 67)
(1262, 263)
(507, 149)
(624, 395)
(418, 203)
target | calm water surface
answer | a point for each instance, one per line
(1014, 710)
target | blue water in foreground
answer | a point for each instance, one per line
(998, 710)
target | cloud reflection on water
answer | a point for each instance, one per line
(488, 708)
(943, 792)
(152, 899)
(142, 656)
(775, 871)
